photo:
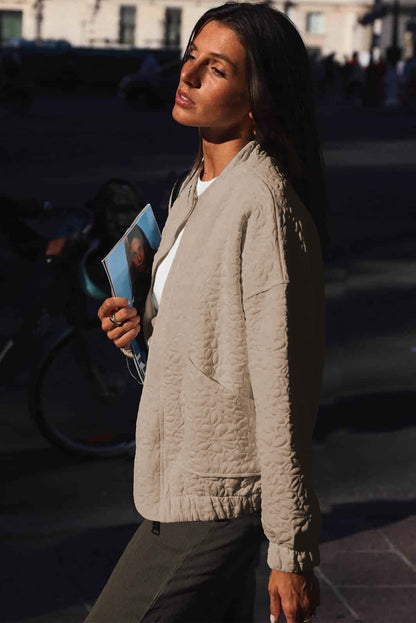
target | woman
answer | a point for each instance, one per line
(236, 342)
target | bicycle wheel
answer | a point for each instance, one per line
(83, 398)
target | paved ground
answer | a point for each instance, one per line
(64, 521)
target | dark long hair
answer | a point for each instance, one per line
(282, 100)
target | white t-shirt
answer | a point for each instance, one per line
(164, 266)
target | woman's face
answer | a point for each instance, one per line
(137, 252)
(212, 92)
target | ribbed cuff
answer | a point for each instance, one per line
(290, 560)
(127, 351)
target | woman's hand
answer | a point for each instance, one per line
(296, 593)
(124, 334)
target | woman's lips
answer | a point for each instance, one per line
(183, 100)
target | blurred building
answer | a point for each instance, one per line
(406, 28)
(326, 25)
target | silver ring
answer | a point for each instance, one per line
(114, 321)
(308, 620)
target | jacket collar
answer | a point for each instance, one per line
(245, 152)
(188, 198)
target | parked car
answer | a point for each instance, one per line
(55, 44)
(153, 84)
(48, 44)
(16, 83)
(18, 42)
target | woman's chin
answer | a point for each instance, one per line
(182, 116)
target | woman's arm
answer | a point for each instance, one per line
(278, 366)
(282, 303)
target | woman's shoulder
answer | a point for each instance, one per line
(259, 186)
(259, 175)
(267, 199)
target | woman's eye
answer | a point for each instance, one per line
(218, 72)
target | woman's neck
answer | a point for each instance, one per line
(218, 155)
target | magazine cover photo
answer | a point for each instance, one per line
(129, 270)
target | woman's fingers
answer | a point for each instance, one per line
(122, 315)
(117, 332)
(125, 340)
(297, 594)
(275, 606)
(124, 333)
(110, 305)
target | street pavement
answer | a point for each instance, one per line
(65, 521)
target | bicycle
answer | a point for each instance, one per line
(80, 395)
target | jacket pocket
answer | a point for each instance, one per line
(219, 430)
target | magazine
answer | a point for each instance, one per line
(129, 270)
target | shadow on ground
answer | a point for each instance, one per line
(381, 411)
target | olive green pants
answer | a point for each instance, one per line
(185, 572)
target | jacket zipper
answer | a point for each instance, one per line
(156, 524)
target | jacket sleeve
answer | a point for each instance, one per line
(285, 363)
(127, 351)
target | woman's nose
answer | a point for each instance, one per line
(191, 76)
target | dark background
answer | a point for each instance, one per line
(65, 521)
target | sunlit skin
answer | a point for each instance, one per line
(219, 106)
(137, 253)
(214, 79)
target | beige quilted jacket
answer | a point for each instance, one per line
(235, 362)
